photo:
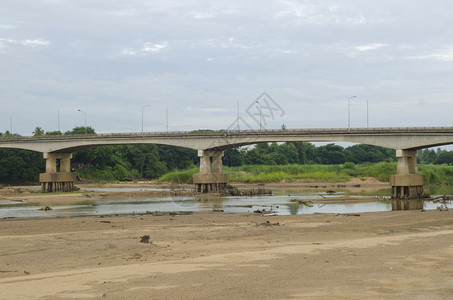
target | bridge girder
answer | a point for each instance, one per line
(399, 139)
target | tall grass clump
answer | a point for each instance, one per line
(381, 171)
(437, 174)
(288, 173)
(179, 176)
(107, 173)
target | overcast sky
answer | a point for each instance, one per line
(200, 58)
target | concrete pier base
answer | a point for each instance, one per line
(210, 183)
(407, 183)
(409, 186)
(57, 182)
(211, 178)
(58, 176)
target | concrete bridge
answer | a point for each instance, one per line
(406, 183)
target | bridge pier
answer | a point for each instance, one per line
(407, 183)
(58, 176)
(211, 177)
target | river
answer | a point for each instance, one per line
(282, 202)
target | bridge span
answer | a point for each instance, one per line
(406, 183)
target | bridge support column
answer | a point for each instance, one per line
(58, 176)
(407, 183)
(211, 177)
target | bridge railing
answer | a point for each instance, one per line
(216, 133)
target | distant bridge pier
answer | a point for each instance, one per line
(211, 177)
(58, 176)
(407, 183)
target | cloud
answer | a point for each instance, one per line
(146, 48)
(214, 54)
(27, 43)
(201, 15)
(357, 20)
(445, 55)
(154, 48)
(370, 47)
(129, 51)
(34, 43)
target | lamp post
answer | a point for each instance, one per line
(85, 114)
(143, 107)
(349, 112)
(367, 122)
(259, 105)
(166, 113)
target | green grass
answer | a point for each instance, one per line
(184, 176)
(291, 173)
(434, 174)
(437, 174)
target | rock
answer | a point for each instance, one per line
(145, 239)
(46, 208)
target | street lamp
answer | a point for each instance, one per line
(166, 114)
(349, 112)
(367, 115)
(85, 119)
(259, 105)
(143, 107)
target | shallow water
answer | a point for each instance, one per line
(279, 203)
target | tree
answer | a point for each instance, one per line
(306, 152)
(427, 156)
(232, 157)
(53, 132)
(81, 130)
(330, 154)
(445, 158)
(38, 131)
(367, 153)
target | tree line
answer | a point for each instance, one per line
(128, 162)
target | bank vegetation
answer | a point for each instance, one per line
(266, 162)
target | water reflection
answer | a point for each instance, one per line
(407, 204)
(288, 202)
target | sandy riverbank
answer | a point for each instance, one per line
(211, 255)
(391, 255)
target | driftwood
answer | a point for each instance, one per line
(443, 198)
(233, 191)
(304, 202)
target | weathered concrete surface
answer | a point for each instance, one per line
(211, 177)
(58, 176)
(407, 183)
(57, 182)
(395, 138)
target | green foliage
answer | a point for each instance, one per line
(53, 132)
(38, 131)
(287, 173)
(184, 176)
(19, 165)
(437, 174)
(444, 158)
(121, 173)
(306, 153)
(265, 162)
(81, 130)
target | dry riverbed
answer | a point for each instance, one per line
(212, 255)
